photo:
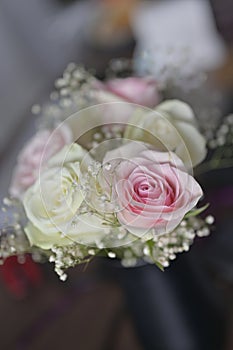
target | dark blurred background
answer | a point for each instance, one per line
(103, 306)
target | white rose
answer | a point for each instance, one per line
(52, 204)
(172, 126)
(55, 197)
(88, 230)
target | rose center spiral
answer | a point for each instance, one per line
(146, 188)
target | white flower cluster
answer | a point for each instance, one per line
(160, 250)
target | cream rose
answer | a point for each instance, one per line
(54, 199)
(171, 126)
(88, 229)
(52, 203)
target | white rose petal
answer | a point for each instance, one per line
(171, 126)
(177, 110)
(88, 230)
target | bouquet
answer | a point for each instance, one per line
(108, 173)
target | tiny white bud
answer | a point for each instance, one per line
(209, 219)
(63, 277)
(107, 166)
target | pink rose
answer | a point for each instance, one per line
(37, 152)
(142, 91)
(151, 189)
(125, 93)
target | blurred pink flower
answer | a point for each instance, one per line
(126, 94)
(142, 91)
(37, 151)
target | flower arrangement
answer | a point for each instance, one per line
(108, 173)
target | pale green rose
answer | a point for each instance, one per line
(171, 126)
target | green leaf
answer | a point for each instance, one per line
(150, 245)
(160, 266)
(196, 212)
